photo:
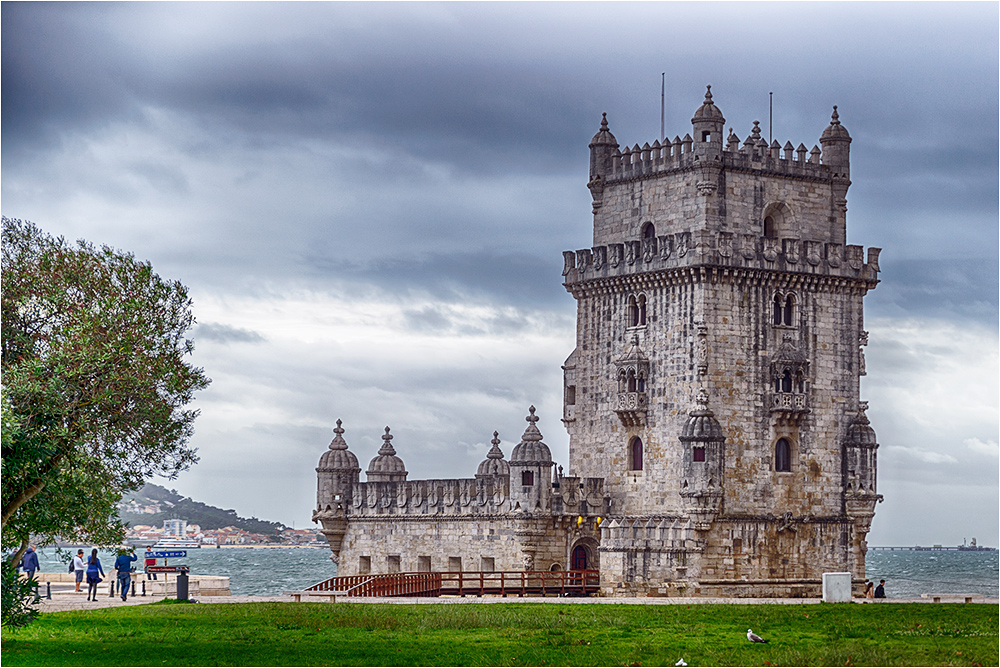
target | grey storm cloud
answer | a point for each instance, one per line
(428, 162)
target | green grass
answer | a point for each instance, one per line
(509, 634)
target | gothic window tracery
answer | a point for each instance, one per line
(637, 311)
(783, 309)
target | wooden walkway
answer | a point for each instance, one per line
(463, 583)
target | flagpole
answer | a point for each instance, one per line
(663, 83)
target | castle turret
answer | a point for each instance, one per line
(603, 148)
(494, 464)
(386, 467)
(836, 143)
(708, 124)
(531, 470)
(336, 474)
(703, 464)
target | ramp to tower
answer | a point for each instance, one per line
(458, 583)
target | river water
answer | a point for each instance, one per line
(269, 571)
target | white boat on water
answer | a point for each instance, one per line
(176, 544)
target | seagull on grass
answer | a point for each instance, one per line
(753, 637)
(681, 662)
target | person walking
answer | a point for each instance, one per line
(79, 568)
(30, 562)
(123, 564)
(880, 589)
(94, 575)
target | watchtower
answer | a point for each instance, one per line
(715, 383)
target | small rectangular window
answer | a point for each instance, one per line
(699, 454)
(455, 564)
(737, 546)
(487, 564)
(424, 564)
(527, 478)
(364, 565)
(571, 395)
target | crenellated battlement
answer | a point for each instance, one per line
(651, 161)
(720, 249)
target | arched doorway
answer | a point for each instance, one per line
(579, 558)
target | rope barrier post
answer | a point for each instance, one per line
(48, 590)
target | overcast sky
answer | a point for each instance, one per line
(369, 202)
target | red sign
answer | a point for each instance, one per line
(168, 569)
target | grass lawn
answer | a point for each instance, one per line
(509, 634)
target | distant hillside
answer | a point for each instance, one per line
(152, 504)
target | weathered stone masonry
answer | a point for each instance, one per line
(718, 443)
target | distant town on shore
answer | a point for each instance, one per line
(157, 515)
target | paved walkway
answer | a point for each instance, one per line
(64, 598)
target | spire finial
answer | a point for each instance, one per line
(495, 451)
(708, 94)
(531, 433)
(604, 122)
(835, 118)
(338, 442)
(387, 448)
(756, 130)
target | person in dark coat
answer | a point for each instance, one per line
(30, 562)
(94, 575)
(880, 589)
(123, 564)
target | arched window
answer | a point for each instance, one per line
(778, 308)
(631, 381)
(648, 231)
(622, 381)
(635, 453)
(642, 309)
(783, 455)
(787, 311)
(633, 311)
(640, 383)
(770, 229)
(527, 478)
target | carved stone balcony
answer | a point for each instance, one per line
(790, 406)
(631, 408)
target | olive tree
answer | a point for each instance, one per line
(95, 384)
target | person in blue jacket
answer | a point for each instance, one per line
(123, 564)
(93, 569)
(30, 562)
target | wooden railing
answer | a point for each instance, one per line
(465, 583)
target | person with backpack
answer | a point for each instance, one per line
(123, 564)
(78, 568)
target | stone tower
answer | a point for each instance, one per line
(715, 384)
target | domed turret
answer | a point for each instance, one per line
(338, 469)
(531, 470)
(494, 463)
(386, 467)
(336, 476)
(531, 451)
(836, 143)
(701, 425)
(602, 147)
(338, 458)
(708, 123)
